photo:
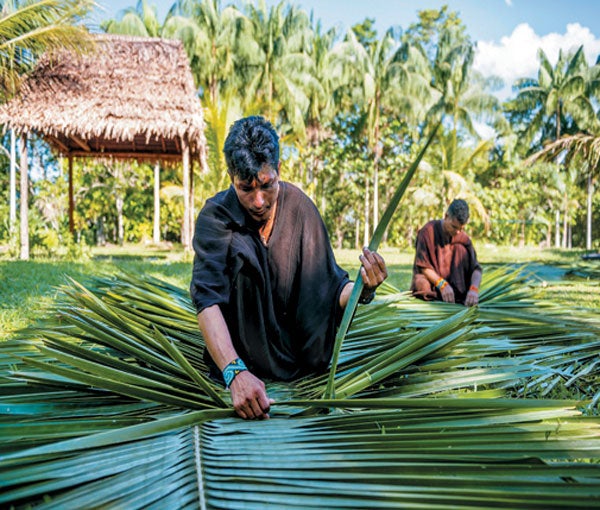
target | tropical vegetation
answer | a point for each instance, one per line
(350, 107)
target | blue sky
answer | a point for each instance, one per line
(485, 19)
(508, 32)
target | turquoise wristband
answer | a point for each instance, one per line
(232, 370)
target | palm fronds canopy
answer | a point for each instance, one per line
(130, 97)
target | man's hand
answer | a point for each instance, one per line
(472, 298)
(373, 270)
(249, 397)
(447, 294)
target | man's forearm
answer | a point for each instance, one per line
(216, 335)
(345, 294)
(248, 394)
(476, 278)
(431, 275)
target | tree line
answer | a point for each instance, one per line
(351, 109)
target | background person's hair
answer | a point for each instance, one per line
(251, 143)
(459, 210)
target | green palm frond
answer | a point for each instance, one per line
(34, 27)
(410, 453)
(105, 403)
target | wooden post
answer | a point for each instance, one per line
(156, 229)
(185, 227)
(71, 199)
(24, 253)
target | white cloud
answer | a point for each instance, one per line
(516, 55)
(508, 2)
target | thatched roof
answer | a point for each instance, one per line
(132, 97)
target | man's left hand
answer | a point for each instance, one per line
(373, 270)
(472, 298)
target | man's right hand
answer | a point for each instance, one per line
(249, 397)
(448, 294)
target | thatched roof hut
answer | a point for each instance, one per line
(131, 97)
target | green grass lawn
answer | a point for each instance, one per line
(28, 288)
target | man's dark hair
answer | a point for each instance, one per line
(459, 210)
(251, 143)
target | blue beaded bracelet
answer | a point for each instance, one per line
(232, 370)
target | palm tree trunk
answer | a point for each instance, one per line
(557, 230)
(590, 193)
(565, 226)
(376, 192)
(24, 253)
(119, 202)
(366, 232)
(13, 183)
(156, 223)
(192, 202)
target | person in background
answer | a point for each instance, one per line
(267, 289)
(446, 267)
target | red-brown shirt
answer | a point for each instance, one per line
(453, 258)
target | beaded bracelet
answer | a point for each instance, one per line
(473, 288)
(232, 370)
(441, 284)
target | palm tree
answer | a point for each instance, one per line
(27, 30)
(557, 102)
(583, 148)
(141, 20)
(276, 66)
(383, 77)
(30, 28)
(461, 96)
(452, 174)
(322, 107)
(211, 35)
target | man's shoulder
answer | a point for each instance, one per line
(296, 199)
(222, 198)
(429, 227)
(462, 238)
(222, 209)
(293, 192)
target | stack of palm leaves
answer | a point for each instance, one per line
(105, 404)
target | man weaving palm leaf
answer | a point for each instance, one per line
(266, 286)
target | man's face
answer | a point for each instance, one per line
(452, 226)
(258, 196)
